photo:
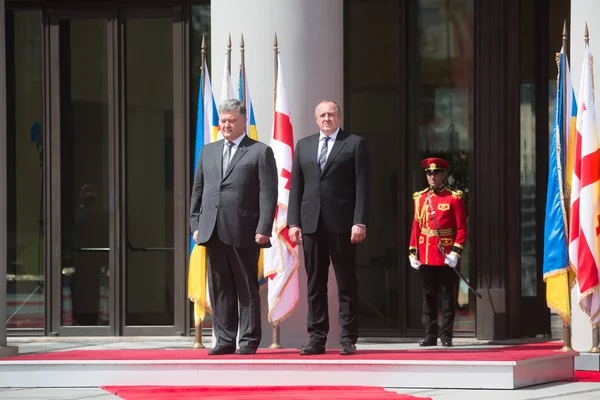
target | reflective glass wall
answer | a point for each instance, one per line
(408, 92)
(371, 111)
(540, 38)
(25, 264)
(443, 94)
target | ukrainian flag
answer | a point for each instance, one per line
(558, 274)
(252, 132)
(207, 130)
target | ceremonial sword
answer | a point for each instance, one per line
(441, 248)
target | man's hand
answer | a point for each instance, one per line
(416, 264)
(261, 239)
(451, 260)
(295, 235)
(359, 233)
(196, 236)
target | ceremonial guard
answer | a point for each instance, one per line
(437, 239)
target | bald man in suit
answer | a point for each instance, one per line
(328, 214)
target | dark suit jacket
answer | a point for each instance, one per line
(242, 202)
(340, 194)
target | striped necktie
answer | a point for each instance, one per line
(323, 153)
(227, 156)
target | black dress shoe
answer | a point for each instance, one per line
(347, 349)
(428, 341)
(246, 351)
(312, 349)
(221, 350)
(447, 342)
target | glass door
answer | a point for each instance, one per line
(79, 186)
(111, 179)
(148, 278)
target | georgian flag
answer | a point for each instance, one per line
(584, 230)
(281, 260)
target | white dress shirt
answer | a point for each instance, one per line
(329, 143)
(236, 144)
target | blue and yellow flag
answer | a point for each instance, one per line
(558, 274)
(207, 129)
(252, 132)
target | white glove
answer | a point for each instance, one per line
(451, 260)
(416, 264)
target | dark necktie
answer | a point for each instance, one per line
(323, 153)
(227, 156)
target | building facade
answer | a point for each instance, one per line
(101, 102)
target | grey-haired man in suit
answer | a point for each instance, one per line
(232, 212)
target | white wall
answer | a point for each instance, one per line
(310, 35)
(583, 11)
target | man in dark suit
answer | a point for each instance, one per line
(232, 213)
(328, 213)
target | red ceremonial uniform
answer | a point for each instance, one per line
(449, 209)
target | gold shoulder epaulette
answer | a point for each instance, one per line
(458, 194)
(417, 194)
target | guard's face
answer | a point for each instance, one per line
(328, 118)
(233, 125)
(436, 178)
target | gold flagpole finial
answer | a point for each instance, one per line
(229, 52)
(243, 69)
(275, 71)
(587, 34)
(202, 54)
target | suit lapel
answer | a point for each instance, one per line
(340, 141)
(239, 153)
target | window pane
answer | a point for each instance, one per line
(84, 172)
(528, 153)
(150, 173)
(24, 55)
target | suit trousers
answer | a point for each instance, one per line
(319, 248)
(434, 279)
(233, 279)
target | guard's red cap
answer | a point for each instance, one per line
(432, 164)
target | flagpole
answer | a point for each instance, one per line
(228, 60)
(243, 70)
(567, 346)
(198, 331)
(276, 344)
(595, 331)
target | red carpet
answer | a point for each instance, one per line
(256, 392)
(509, 353)
(586, 376)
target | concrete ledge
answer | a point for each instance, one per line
(439, 374)
(8, 351)
(587, 362)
